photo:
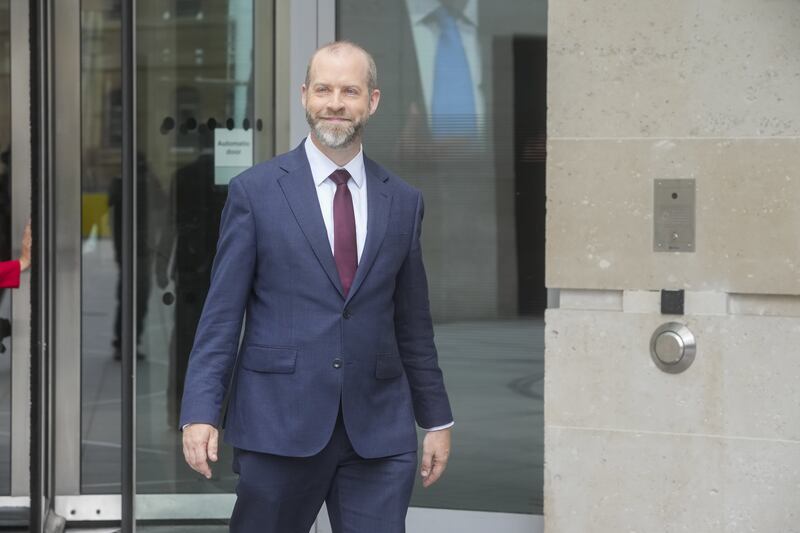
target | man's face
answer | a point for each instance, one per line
(337, 101)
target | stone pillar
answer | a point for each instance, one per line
(641, 90)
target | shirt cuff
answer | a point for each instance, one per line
(437, 428)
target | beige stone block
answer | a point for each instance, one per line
(764, 304)
(761, 486)
(695, 302)
(744, 382)
(612, 482)
(649, 68)
(591, 299)
(705, 303)
(641, 301)
(600, 215)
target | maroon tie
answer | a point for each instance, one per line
(345, 251)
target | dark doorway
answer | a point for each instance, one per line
(530, 145)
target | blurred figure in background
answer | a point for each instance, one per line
(148, 192)
(9, 278)
(10, 270)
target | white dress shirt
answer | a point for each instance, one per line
(321, 168)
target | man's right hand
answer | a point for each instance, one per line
(200, 442)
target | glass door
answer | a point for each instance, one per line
(196, 94)
(204, 101)
(462, 117)
(5, 247)
(204, 115)
(15, 310)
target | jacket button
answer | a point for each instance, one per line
(347, 314)
(337, 363)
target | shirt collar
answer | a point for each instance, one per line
(322, 166)
(420, 10)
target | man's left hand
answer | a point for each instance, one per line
(435, 452)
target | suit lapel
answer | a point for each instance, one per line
(379, 201)
(298, 187)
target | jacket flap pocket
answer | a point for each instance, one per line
(388, 366)
(274, 359)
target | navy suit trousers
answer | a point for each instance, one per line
(277, 494)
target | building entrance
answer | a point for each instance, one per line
(217, 90)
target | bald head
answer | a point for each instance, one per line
(341, 48)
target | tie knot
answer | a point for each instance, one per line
(340, 176)
(445, 19)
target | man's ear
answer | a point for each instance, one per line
(303, 93)
(374, 99)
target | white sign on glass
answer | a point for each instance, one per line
(233, 153)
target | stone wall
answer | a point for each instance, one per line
(641, 90)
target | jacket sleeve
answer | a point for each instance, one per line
(414, 334)
(9, 274)
(216, 341)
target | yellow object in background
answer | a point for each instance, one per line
(95, 212)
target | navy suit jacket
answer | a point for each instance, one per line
(305, 345)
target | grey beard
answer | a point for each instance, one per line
(334, 137)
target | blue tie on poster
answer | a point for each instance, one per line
(453, 107)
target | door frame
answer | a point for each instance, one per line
(21, 297)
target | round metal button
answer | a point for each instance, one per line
(672, 347)
(337, 363)
(669, 347)
(347, 314)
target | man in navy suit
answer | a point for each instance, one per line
(320, 249)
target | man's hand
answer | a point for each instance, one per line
(435, 452)
(200, 443)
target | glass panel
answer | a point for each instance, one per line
(462, 117)
(195, 62)
(101, 167)
(195, 90)
(5, 247)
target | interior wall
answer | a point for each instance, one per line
(640, 90)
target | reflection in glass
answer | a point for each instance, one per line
(195, 64)
(101, 145)
(195, 77)
(461, 112)
(5, 247)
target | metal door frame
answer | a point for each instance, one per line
(22, 131)
(20, 298)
